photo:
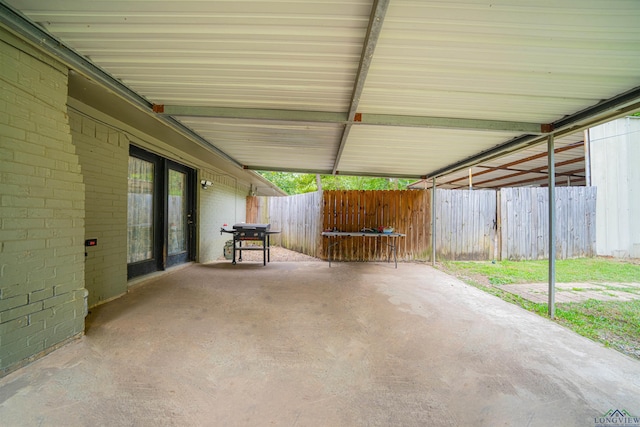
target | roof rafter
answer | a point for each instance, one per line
(251, 113)
(569, 174)
(534, 170)
(506, 166)
(347, 119)
(452, 123)
(326, 172)
(378, 12)
(292, 170)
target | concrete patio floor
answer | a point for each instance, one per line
(302, 344)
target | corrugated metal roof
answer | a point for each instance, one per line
(496, 71)
(514, 60)
(300, 55)
(528, 167)
(294, 146)
(387, 150)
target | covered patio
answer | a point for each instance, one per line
(300, 343)
(215, 91)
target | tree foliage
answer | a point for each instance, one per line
(299, 183)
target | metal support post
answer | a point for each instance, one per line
(552, 226)
(433, 223)
(587, 157)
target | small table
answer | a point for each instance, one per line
(391, 240)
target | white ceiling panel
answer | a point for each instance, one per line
(282, 54)
(269, 145)
(385, 149)
(372, 87)
(513, 60)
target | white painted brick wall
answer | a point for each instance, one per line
(222, 203)
(41, 208)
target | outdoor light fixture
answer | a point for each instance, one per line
(205, 184)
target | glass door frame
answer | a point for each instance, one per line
(155, 263)
(190, 194)
(160, 259)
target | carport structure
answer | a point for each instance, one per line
(390, 88)
(383, 88)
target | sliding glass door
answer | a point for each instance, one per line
(160, 213)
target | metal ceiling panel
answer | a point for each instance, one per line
(293, 54)
(486, 68)
(270, 144)
(387, 150)
(509, 60)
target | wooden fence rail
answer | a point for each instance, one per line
(470, 224)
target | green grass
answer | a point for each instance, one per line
(615, 324)
(571, 270)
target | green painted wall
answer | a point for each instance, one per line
(41, 208)
(104, 156)
(63, 179)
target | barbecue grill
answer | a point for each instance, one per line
(251, 232)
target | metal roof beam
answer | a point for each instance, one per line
(378, 12)
(452, 123)
(251, 113)
(609, 109)
(327, 172)
(292, 170)
(375, 175)
(344, 118)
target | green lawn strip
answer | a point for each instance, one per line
(615, 324)
(571, 270)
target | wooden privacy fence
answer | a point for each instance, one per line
(407, 211)
(470, 224)
(466, 225)
(524, 222)
(298, 217)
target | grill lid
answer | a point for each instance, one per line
(258, 227)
